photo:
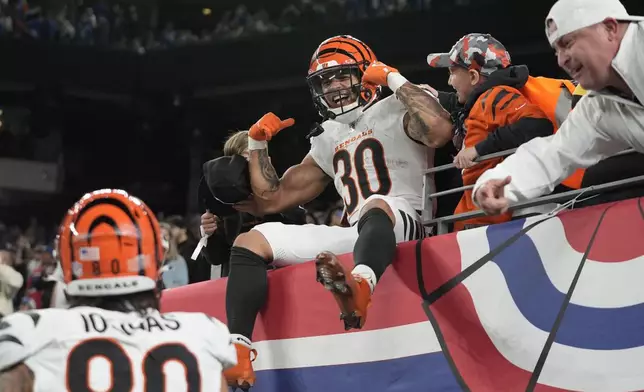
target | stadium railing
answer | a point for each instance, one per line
(442, 223)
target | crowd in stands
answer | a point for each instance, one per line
(125, 26)
(29, 252)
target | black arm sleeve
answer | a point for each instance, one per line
(514, 135)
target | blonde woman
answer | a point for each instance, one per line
(237, 144)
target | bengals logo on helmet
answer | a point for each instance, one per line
(109, 243)
(342, 52)
(342, 49)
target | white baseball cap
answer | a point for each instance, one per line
(567, 16)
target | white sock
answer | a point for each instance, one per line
(241, 339)
(367, 274)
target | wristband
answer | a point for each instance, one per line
(256, 144)
(395, 80)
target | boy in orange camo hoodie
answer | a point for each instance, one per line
(496, 116)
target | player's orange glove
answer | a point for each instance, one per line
(376, 74)
(268, 126)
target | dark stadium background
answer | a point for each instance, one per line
(146, 122)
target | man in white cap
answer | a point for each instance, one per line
(599, 44)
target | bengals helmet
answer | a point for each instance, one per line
(341, 55)
(109, 243)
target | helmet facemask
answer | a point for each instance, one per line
(338, 93)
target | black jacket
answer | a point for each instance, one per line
(217, 252)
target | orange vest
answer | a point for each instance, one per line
(554, 97)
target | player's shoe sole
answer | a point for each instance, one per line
(332, 275)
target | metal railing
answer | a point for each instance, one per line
(443, 222)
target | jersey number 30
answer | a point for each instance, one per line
(379, 164)
(122, 377)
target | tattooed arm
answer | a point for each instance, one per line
(17, 379)
(300, 184)
(426, 120)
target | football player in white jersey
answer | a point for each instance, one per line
(375, 150)
(113, 336)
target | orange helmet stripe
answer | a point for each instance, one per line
(109, 220)
(122, 232)
(342, 50)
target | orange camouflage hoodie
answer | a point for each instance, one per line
(496, 103)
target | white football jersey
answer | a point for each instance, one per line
(91, 349)
(374, 156)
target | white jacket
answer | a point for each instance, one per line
(10, 282)
(602, 124)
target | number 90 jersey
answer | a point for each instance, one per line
(374, 156)
(90, 349)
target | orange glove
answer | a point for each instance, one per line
(376, 74)
(268, 126)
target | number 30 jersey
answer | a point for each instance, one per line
(91, 349)
(374, 156)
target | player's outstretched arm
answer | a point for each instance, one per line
(540, 164)
(299, 184)
(426, 120)
(17, 379)
(263, 177)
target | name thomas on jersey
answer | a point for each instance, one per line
(87, 348)
(94, 322)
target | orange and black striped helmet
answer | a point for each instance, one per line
(342, 53)
(109, 243)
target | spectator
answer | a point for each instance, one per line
(262, 23)
(19, 264)
(117, 25)
(57, 296)
(123, 28)
(169, 34)
(26, 304)
(611, 169)
(102, 30)
(41, 267)
(600, 44)
(86, 26)
(488, 87)
(10, 282)
(6, 23)
(224, 228)
(175, 270)
(66, 28)
(335, 215)
(199, 269)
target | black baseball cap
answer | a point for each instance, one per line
(225, 182)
